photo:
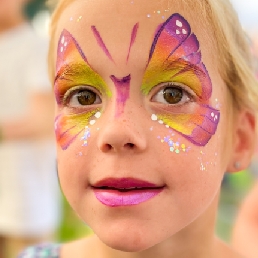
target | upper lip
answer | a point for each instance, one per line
(124, 183)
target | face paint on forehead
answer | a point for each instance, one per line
(133, 37)
(122, 91)
(175, 57)
(101, 42)
(122, 85)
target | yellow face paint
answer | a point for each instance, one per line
(175, 57)
(73, 70)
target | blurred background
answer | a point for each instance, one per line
(234, 187)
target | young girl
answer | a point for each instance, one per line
(155, 101)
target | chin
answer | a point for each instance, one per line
(125, 246)
(127, 240)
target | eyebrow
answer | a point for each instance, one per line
(178, 67)
(81, 73)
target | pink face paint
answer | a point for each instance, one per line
(122, 89)
(72, 70)
(101, 42)
(115, 192)
(133, 37)
(175, 57)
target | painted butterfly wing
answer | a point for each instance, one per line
(69, 126)
(175, 57)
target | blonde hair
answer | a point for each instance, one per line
(236, 65)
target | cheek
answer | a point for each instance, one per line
(192, 172)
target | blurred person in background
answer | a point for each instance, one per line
(245, 231)
(29, 193)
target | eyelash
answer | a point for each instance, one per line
(159, 89)
(67, 97)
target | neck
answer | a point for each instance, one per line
(197, 240)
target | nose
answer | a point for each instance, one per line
(121, 135)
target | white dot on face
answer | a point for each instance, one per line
(212, 114)
(184, 31)
(61, 49)
(154, 117)
(167, 126)
(179, 23)
(65, 44)
(92, 122)
(177, 32)
(97, 115)
(216, 117)
(62, 40)
(160, 121)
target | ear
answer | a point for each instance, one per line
(244, 141)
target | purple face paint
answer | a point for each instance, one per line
(101, 42)
(133, 36)
(123, 89)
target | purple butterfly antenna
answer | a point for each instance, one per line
(133, 37)
(101, 42)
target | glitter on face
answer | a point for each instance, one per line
(174, 146)
(148, 15)
(85, 136)
(79, 19)
(175, 56)
(205, 164)
(71, 67)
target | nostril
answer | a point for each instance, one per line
(129, 145)
(106, 148)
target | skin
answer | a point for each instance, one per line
(179, 222)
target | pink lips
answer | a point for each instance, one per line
(115, 192)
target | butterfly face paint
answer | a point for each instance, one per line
(101, 42)
(74, 75)
(122, 89)
(175, 57)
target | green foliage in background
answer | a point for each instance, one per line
(33, 7)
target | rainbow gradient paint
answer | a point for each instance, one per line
(175, 57)
(73, 70)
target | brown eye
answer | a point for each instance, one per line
(173, 95)
(86, 97)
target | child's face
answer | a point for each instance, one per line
(140, 103)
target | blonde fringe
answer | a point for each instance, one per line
(234, 57)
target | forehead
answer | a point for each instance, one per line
(114, 22)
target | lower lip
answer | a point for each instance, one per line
(114, 198)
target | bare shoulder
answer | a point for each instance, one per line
(80, 248)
